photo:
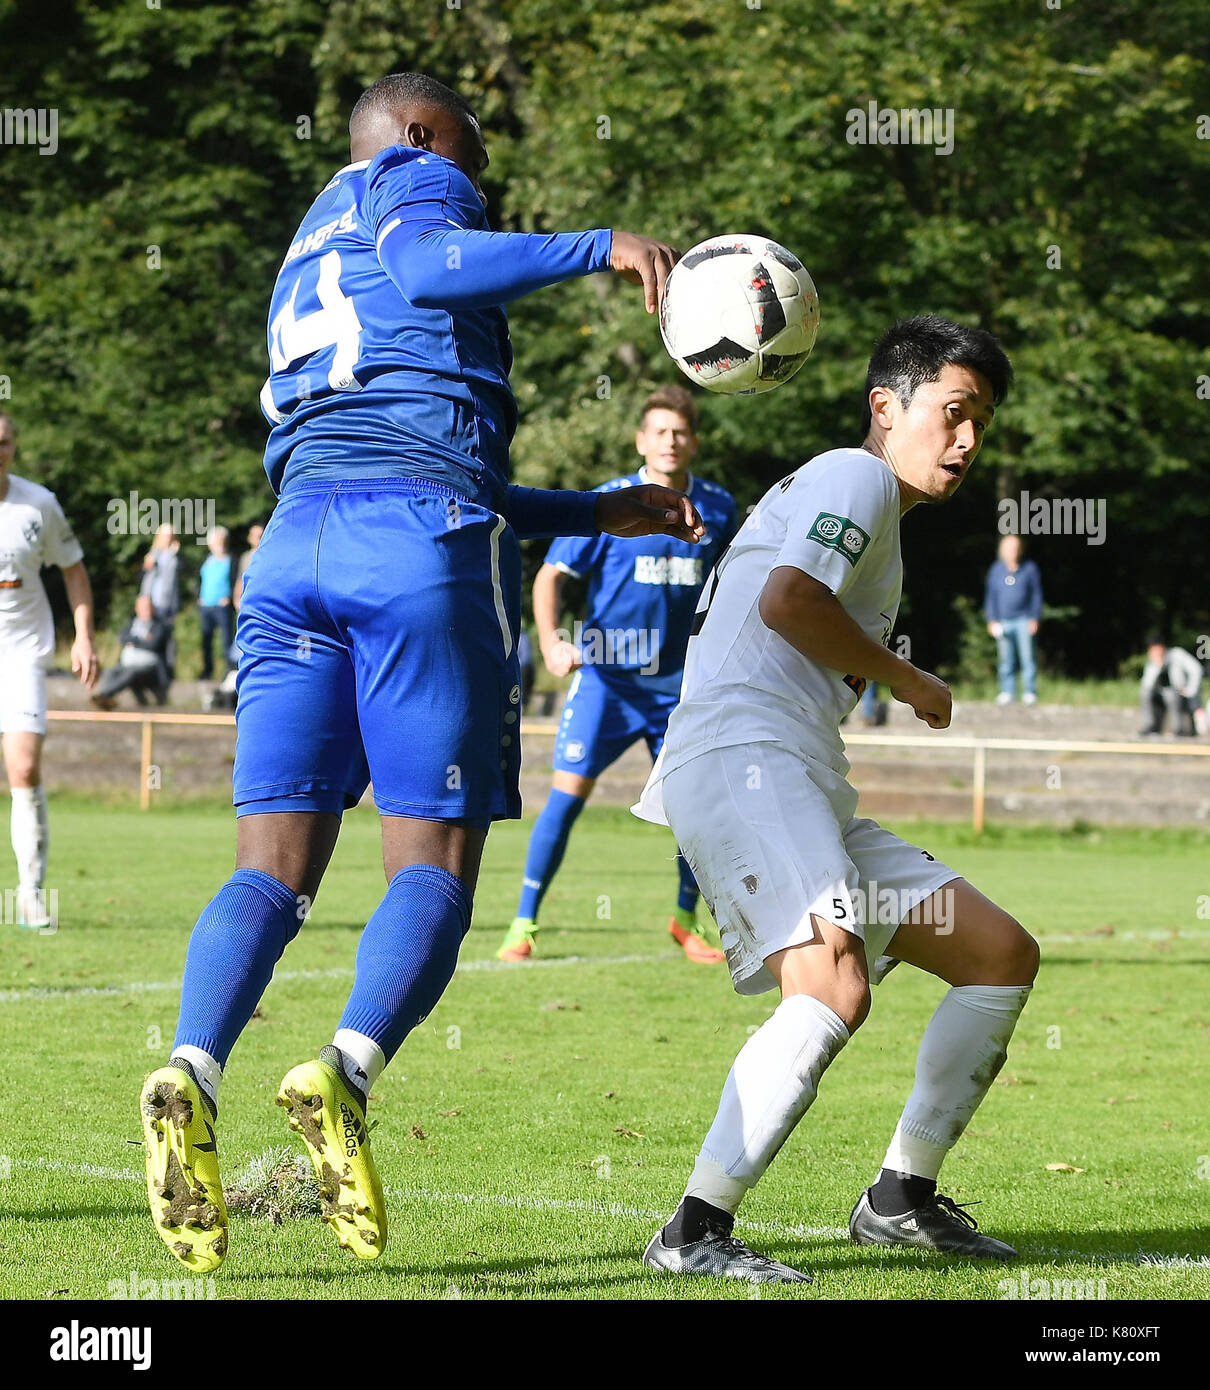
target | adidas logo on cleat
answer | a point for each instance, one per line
(352, 1130)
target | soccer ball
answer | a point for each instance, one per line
(739, 314)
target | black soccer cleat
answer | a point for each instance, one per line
(721, 1256)
(939, 1224)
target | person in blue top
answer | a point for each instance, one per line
(214, 601)
(378, 629)
(628, 657)
(1012, 605)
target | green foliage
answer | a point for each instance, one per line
(975, 652)
(1070, 219)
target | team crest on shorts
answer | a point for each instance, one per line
(574, 751)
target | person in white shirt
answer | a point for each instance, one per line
(809, 898)
(33, 533)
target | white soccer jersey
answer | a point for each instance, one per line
(836, 519)
(33, 532)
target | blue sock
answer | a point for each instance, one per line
(407, 954)
(689, 893)
(546, 845)
(236, 943)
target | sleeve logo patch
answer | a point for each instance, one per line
(840, 534)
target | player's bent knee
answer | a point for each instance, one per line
(1011, 956)
(857, 1008)
(1025, 957)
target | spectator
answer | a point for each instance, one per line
(161, 583)
(214, 600)
(160, 575)
(1172, 685)
(1012, 605)
(255, 532)
(141, 665)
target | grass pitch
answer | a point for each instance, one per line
(536, 1128)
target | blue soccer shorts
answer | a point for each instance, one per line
(378, 642)
(603, 716)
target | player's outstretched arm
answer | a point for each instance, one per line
(648, 510)
(809, 616)
(439, 266)
(644, 510)
(426, 219)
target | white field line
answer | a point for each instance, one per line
(1146, 1258)
(45, 992)
(469, 967)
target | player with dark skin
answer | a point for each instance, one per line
(295, 846)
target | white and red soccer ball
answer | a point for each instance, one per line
(739, 314)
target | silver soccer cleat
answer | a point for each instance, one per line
(940, 1224)
(722, 1257)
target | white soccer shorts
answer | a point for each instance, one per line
(772, 840)
(22, 696)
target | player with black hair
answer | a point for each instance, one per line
(912, 353)
(809, 898)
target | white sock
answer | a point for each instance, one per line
(31, 835)
(205, 1068)
(963, 1049)
(768, 1090)
(364, 1059)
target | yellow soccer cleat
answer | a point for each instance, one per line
(690, 936)
(329, 1113)
(518, 943)
(183, 1185)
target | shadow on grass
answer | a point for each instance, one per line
(79, 1212)
(1052, 1248)
(825, 1261)
(489, 1277)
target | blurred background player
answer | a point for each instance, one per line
(1171, 686)
(645, 592)
(378, 629)
(33, 532)
(1012, 605)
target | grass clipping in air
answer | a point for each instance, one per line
(277, 1185)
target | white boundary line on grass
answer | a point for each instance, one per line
(1146, 1258)
(20, 996)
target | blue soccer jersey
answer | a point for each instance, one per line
(642, 593)
(380, 616)
(388, 345)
